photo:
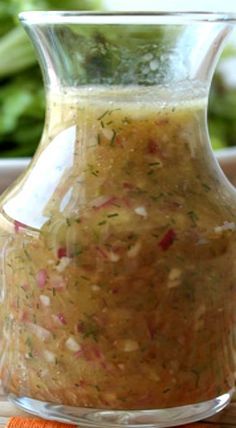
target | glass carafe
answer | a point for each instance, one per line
(118, 242)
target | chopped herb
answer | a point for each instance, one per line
(90, 329)
(126, 120)
(133, 236)
(68, 222)
(154, 163)
(103, 115)
(156, 198)
(206, 187)
(28, 342)
(140, 191)
(112, 215)
(180, 258)
(102, 124)
(27, 254)
(101, 223)
(93, 171)
(107, 112)
(97, 387)
(84, 277)
(113, 138)
(193, 216)
(54, 292)
(99, 139)
(78, 252)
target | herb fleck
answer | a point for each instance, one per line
(156, 198)
(78, 252)
(27, 254)
(89, 329)
(28, 342)
(154, 164)
(93, 170)
(206, 187)
(101, 223)
(193, 217)
(113, 138)
(103, 115)
(107, 113)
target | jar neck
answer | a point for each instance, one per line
(82, 53)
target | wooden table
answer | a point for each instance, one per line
(224, 419)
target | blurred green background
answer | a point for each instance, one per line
(21, 90)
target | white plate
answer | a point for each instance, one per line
(10, 169)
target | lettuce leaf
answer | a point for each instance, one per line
(22, 106)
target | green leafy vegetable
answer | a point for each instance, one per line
(22, 106)
(222, 102)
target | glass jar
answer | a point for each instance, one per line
(118, 243)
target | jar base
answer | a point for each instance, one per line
(96, 418)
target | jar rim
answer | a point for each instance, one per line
(124, 18)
